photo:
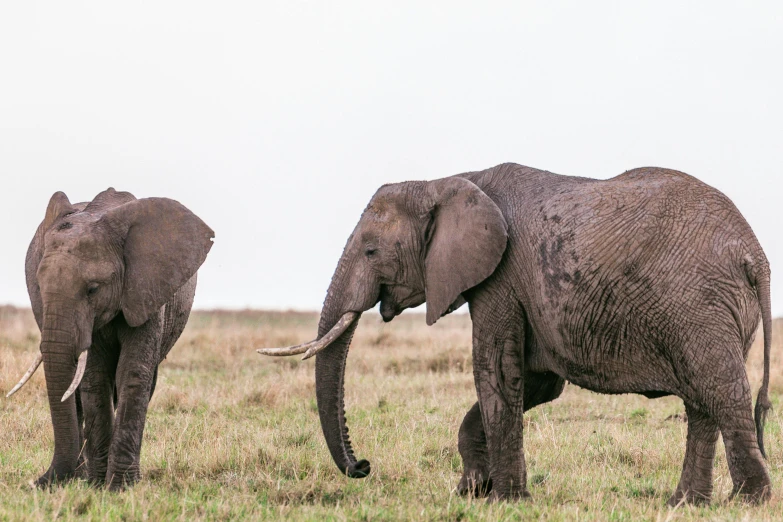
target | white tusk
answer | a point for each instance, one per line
(291, 350)
(77, 378)
(336, 331)
(26, 377)
(313, 347)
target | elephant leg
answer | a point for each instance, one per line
(746, 464)
(154, 382)
(540, 388)
(695, 485)
(498, 369)
(80, 462)
(725, 396)
(98, 400)
(135, 373)
(472, 445)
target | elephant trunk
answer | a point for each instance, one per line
(59, 348)
(330, 391)
(342, 298)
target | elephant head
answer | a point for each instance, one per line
(89, 264)
(415, 242)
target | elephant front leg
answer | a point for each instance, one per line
(98, 402)
(135, 375)
(498, 368)
(80, 463)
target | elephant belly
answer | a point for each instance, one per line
(635, 370)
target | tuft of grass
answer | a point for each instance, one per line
(232, 435)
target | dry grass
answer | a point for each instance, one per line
(233, 435)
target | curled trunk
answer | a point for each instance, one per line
(341, 298)
(330, 392)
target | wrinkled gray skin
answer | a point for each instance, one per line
(650, 282)
(115, 277)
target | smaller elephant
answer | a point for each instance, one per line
(111, 284)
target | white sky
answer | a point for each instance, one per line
(276, 121)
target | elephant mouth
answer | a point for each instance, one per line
(389, 307)
(395, 299)
(389, 311)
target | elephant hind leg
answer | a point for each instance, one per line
(746, 464)
(695, 485)
(540, 388)
(472, 445)
(723, 393)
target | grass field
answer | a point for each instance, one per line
(231, 434)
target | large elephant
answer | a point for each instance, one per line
(111, 283)
(650, 282)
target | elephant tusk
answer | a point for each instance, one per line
(313, 347)
(291, 350)
(77, 378)
(26, 377)
(336, 331)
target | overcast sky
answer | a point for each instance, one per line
(276, 121)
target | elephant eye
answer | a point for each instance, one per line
(92, 288)
(370, 252)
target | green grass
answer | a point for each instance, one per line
(232, 435)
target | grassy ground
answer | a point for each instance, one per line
(231, 434)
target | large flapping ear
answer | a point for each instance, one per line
(58, 206)
(465, 242)
(165, 244)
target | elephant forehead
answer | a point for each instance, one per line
(64, 270)
(378, 209)
(82, 239)
(389, 199)
(384, 224)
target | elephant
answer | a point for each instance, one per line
(650, 282)
(111, 284)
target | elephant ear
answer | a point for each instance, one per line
(164, 245)
(58, 206)
(107, 199)
(465, 242)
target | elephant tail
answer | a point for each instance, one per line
(762, 400)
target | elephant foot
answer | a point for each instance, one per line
(693, 497)
(122, 481)
(97, 481)
(96, 475)
(511, 496)
(52, 478)
(476, 483)
(754, 490)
